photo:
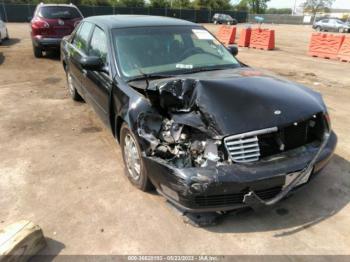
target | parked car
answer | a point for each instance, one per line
(50, 23)
(208, 132)
(4, 35)
(224, 19)
(331, 25)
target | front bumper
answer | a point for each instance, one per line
(46, 42)
(227, 187)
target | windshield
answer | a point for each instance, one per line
(169, 50)
(62, 12)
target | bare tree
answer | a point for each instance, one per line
(315, 6)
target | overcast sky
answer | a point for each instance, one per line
(290, 3)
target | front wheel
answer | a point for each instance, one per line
(134, 166)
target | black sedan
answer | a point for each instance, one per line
(224, 19)
(208, 132)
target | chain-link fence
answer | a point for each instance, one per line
(23, 13)
(282, 19)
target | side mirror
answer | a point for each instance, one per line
(93, 63)
(232, 49)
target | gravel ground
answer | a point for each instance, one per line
(63, 170)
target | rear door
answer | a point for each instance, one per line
(76, 50)
(98, 84)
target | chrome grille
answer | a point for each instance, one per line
(245, 148)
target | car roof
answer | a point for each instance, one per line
(126, 21)
(67, 5)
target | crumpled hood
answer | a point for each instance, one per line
(238, 100)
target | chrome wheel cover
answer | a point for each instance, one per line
(132, 157)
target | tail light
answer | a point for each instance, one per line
(38, 23)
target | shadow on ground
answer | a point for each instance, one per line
(52, 249)
(322, 198)
(10, 42)
(52, 55)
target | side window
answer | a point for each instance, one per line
(82, 37)
(98, 45)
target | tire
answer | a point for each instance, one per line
(133, 162)
(72, 90)
(7, 35)
(37, 52)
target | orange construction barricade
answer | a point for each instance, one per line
(325, 45)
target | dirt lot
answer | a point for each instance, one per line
(63, 170)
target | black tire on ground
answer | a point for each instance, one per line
(37, 52)
(143, 183)
(7, 35)
(72, 90)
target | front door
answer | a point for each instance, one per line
(98, 84)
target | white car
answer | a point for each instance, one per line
(4, 35)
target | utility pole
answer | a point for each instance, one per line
(294, 8)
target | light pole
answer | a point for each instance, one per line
(294, 8)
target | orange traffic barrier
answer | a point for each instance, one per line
(244, 38)
(344, 51)
(226, 34)
(262, 39)
(325, 45)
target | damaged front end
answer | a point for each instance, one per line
(204, 152)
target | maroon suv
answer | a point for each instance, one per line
(50, 23)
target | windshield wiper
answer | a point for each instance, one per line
(148, 77)
(204, 69)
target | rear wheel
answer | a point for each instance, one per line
(7, 35)
(37, 52)
(72, 90)
(134, 166)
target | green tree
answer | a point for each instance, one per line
(315, 6)
(159, 3)
(213, 4)
(181, 4)
(243, 5)
(95, 2)
(132, 3)
(254, 6)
